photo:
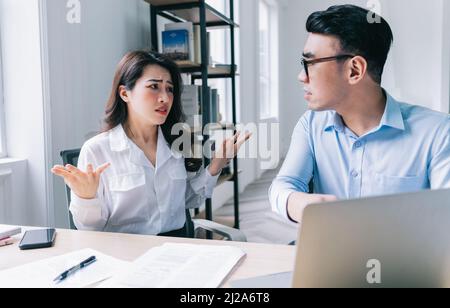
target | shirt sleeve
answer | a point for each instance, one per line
(297, 169)
(439, 168)
(89, 215)
(200, 187)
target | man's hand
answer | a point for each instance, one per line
(297, 203)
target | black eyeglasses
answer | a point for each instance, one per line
(306, 63)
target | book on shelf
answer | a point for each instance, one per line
(198, 45)
(190, 102)
(194, 43)
(189, 27)
(208, 48)
(226, 67)
(214, 105)
(175, 44)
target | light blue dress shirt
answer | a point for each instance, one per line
(409, 151)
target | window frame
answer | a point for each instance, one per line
(223, 85)
(270, 82)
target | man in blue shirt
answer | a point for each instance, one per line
(356, 140)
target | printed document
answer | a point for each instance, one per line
(179, 266)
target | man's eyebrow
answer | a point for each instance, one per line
(160, 81)
(308, 55)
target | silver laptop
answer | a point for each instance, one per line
(391, 241)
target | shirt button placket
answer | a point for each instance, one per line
(355, 170)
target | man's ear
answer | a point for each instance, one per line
(123, 92)
(358, 69)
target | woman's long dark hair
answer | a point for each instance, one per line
(128, 71)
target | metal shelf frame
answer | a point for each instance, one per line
(199, 12)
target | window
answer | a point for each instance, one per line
(268, 58)
(2, 114)
(220, 5)
(220, 54)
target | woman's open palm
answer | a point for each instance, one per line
(83, 184)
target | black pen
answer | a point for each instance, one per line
(76, 268)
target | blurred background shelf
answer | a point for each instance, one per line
(195, 69)
(188, 10)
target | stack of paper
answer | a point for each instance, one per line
(179, 266)
(41, 274)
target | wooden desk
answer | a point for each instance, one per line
(261, 259)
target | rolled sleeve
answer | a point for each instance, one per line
(200, 187)
(297, 169)
(279, 199)
(204, 183)
(86, 213)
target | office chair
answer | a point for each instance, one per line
(192, 225)
(311, 187)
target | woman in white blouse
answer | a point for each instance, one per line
(128, 179)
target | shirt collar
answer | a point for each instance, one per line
(334, 121)
(119, 142)
(392, 117)
(164, 151)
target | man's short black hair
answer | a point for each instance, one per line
(360, 32)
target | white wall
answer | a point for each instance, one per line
(418, 67)
(82, 61)
(24, 107)
(13, 201)
(420, 52)
(249, 79)
(446, 57)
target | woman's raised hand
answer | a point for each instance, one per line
(83, 184)
(227, 151)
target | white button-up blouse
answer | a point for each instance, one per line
(133, 196)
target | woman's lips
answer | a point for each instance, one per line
(162, 111)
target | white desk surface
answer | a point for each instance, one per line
(261, 259)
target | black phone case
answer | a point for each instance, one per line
(37, 245)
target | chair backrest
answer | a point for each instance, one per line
(311, 186)
(71, 157)
(189, 227)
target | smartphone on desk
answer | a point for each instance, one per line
(35, 239)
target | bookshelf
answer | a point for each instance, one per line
(200, 13)
(191, 10)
